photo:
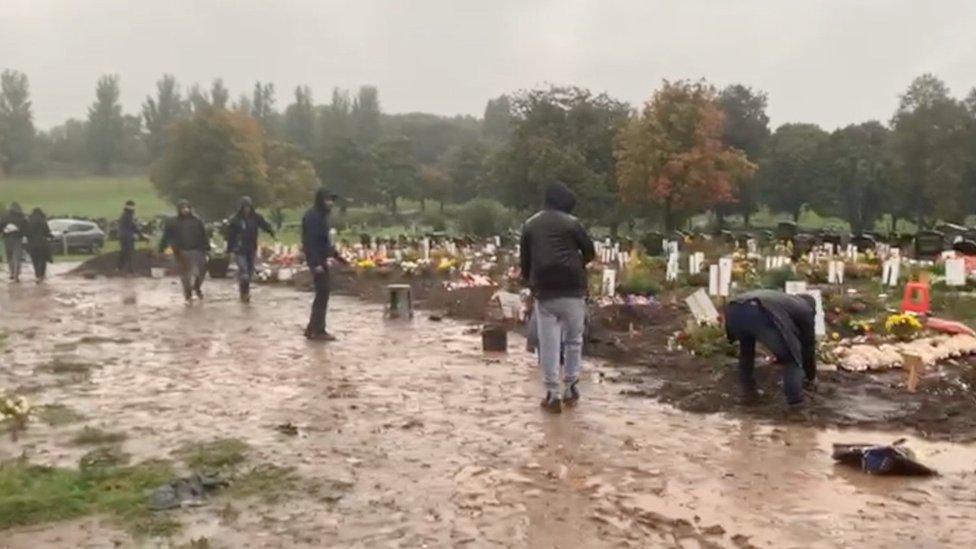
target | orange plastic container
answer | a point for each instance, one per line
(917, 298)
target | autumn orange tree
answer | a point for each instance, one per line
(672, 154)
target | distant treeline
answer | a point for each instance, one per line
(688, 150)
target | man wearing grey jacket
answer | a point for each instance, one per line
(555, 249)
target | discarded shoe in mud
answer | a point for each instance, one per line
(874, 459)
(184, 492)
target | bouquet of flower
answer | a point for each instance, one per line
(904, 326)
(16, 411)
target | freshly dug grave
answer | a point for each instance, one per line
(107, 264)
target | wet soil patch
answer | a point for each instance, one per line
(107, 264)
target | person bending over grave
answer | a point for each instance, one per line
(784, 324)
(187, 236)
(555, 249)
(242, 243)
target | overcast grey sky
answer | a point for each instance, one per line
(831, 62)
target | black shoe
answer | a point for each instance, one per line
(245, 298)
(319, 336)
(571, 395)
(751, 397)
(552, 404)
(188, 296)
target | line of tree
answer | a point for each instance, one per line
(690, 149)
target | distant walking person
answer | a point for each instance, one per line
(187, 236)
(129, 232)
(39, 243)
(554, 251)
(242, 242)
(318, 248)
(785, 325)
(14, 227)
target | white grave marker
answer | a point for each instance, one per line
(890, 272)
(609, 284)
(713, 279)
(702, 307)
(835, 271)
(725, 276)
(955, 272)
(672, 268)
(794, 287)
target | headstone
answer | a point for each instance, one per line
(725, 276)
(794, 287)
(702, 307)
(819, 322)
(425, 249)
(672, 268)
(752, 246)
(609, 284)
(890, 271)
(955, 272)
(929, 244)
(696, 261)
(713, 279)
(835, 271)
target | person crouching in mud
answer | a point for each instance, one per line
(242, 243)
(187, 236)
(555, 249)
(318, 249)
(784, 324)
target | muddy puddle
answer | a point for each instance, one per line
(423, 441)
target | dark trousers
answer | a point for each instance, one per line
(750, 323)
(127, 249)
(316, 324)
(245, 270)
(39, 259)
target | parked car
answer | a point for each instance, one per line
(76, 235)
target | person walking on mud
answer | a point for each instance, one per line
(39, 243)
(785, 325)
(14, 227)
(318, 248)
(129, 232)
(242, 243)
(554, 251)
(187, 236)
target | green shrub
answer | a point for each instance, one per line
(484, 217)
(435, 220)
(363, 218)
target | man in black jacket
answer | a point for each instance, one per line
(554, 251)
(318, 248)
(187, 235)
(128, 233)
(785, 325)
(242, 242)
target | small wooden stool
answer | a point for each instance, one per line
(494, 338)
(401, 301)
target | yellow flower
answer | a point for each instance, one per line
(366, 264)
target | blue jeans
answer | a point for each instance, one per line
(751, 324)
(245, 270)
(560, 324)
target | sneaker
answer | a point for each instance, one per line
(551, 403)
(319, 336)
(571, 395)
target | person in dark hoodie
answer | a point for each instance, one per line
(785, 325)
(554, 251)
(187, 236)
(318, 248)
(39, 243)
(129, 232)
(242, 242)
(14, 227)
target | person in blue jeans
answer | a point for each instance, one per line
(554, 251)
(785, 325)
(242, 242)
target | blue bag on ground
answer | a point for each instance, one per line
(879, 459)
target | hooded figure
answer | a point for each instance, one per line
(187, 236)
(39, 243)
(128, 233)
(242, 242)
(14, 227)
(318, 248)
(554, 251)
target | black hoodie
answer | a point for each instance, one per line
(316, 237)
(185, 232)
(242, 229)
(555, 248)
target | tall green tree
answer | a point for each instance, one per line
(929, 142)
(350, 170)
(565, 134)
(365, 116)
(858, 171)
(397, 173)
(467, 166)
(746, 129)
(436, 185)
(160, 112)
(672, 155)
(291, 178)
(300, 120)
(219, 95)
(498, 119)
(213, 159)
(263, 106)
(792, 172)
(106, 128)
(16, 120)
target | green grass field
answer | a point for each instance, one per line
(83, 196)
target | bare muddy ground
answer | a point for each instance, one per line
(421, 440)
